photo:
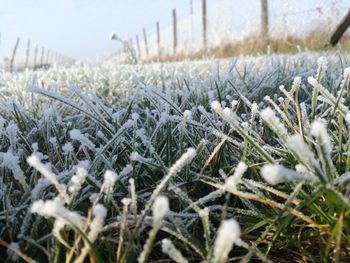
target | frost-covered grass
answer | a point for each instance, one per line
(195, 161)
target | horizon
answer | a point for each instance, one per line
(41, 22)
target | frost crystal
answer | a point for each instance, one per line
(35, 162)
(134, 156)
(184, 159)
(77, 135)
(322, 66)
(67, 148)
(215, 105)
(53, 208)
(203, 213)
(57, 227)
(160, 208)
(99, 212)
(312, 81)
(126, 170)
(328, 96)
(297, 144)
(255, 109)
(12, 131)
(319, 130)
(229, 232)
(135, 116)
(110, 178)
(235, 179)
(169, 249)
(268, 115)
(53, 141)
(234, 104)
(227, 111)
(187, 115)
(346, 78)
(77, 180)
(2, 123)
(126, 201)
(275, 174)
(10, 161)
(301, 169)
(297, 81)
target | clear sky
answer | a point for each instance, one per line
(81, 28)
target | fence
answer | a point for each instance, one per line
(210, 23)
(25, 54)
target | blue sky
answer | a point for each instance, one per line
(81, 28)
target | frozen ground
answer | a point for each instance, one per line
(110, 161)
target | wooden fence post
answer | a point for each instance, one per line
(138, 46)
(192, 20)
(145, 39)
(47, 56)
(175, 30)
(14, 54)
(42, 56)
(341, 28)
(158, 39)
(27, 54)
(264, 23)
(204, 23)
(35, 55)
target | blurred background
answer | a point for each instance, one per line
(40, 33)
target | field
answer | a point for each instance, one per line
(243, 159)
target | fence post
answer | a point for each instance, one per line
(158, 39)
(47, 56)
(14, 54)
(53, 57)
(138, 46)
(192, 20)
(42, 56)
(264, 23)
(341, 28)
(27, 54)
(204, 23)
(35, 55)
(175, 30)
(145, 39)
